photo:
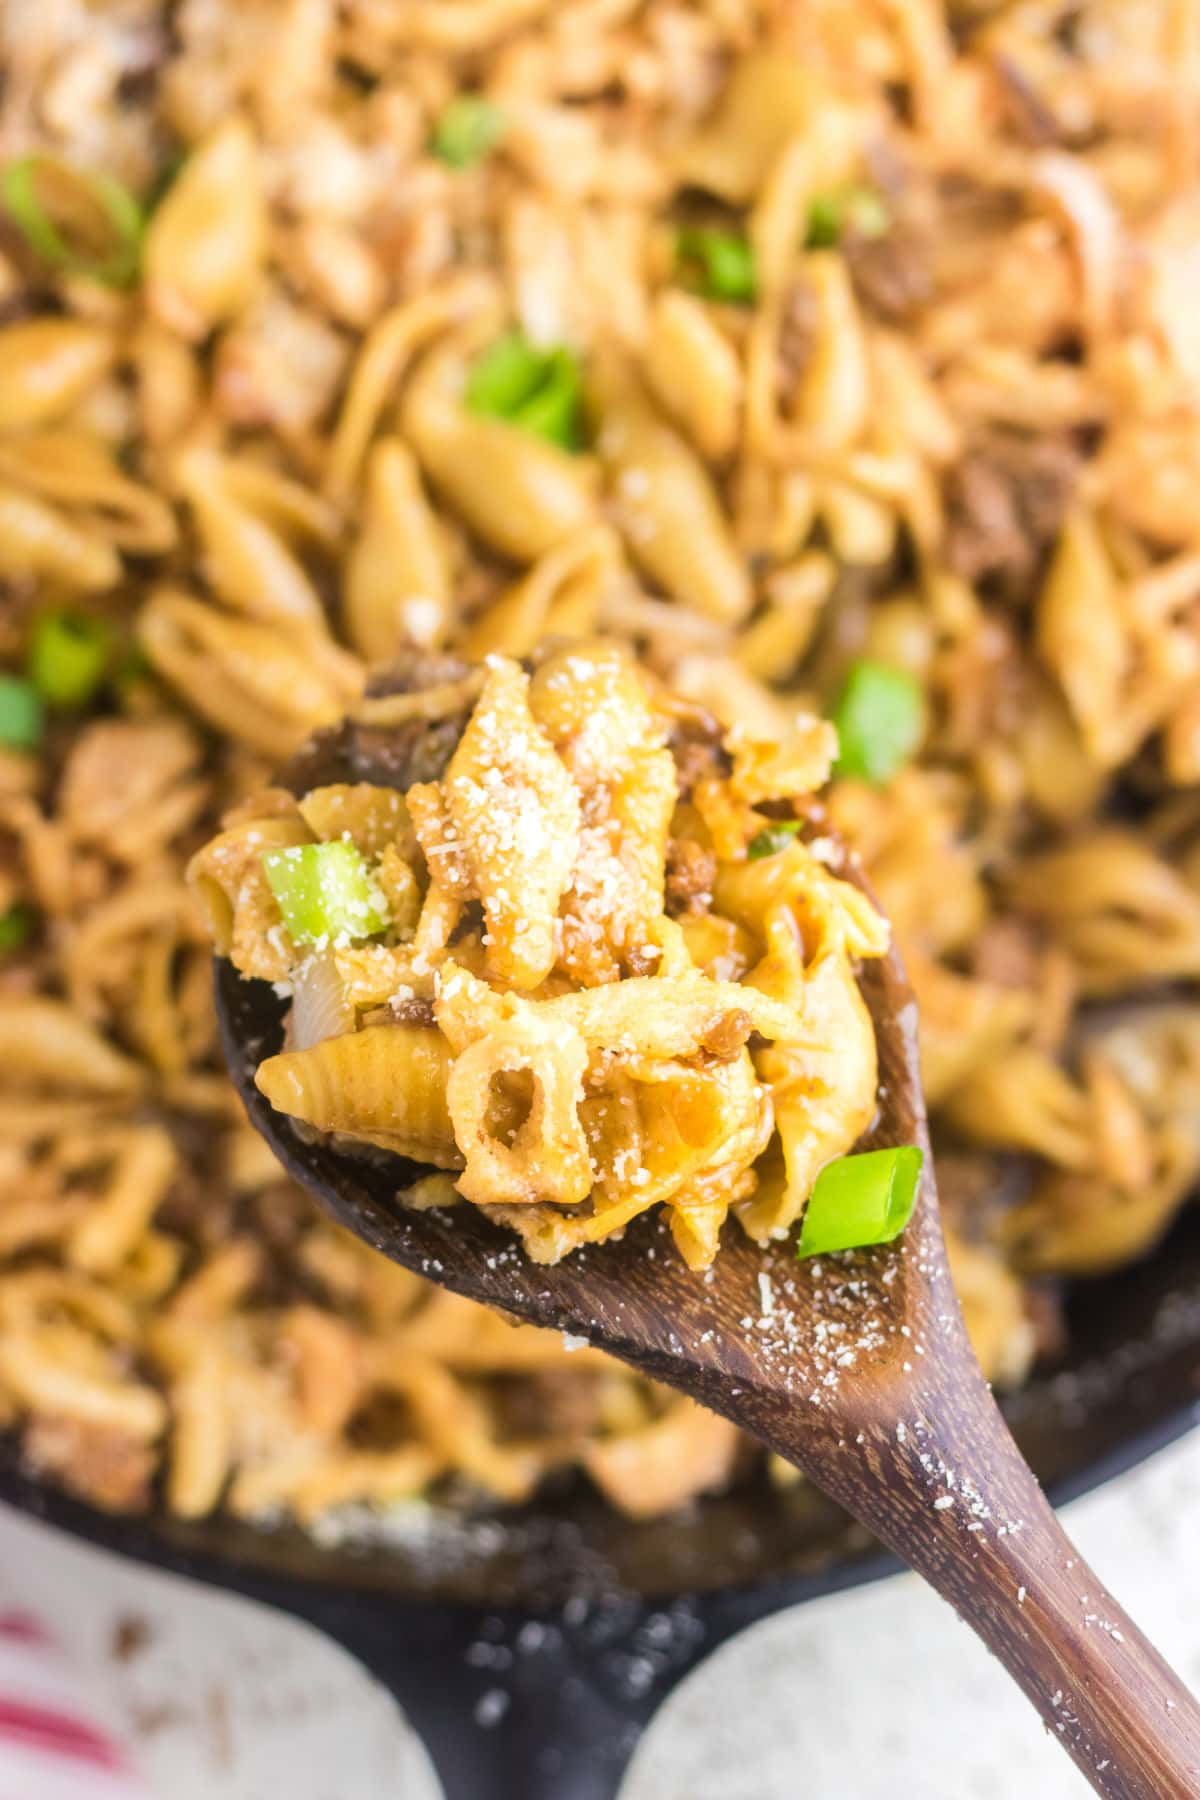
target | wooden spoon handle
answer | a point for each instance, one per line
(1008, 1568)
(1118, 1708)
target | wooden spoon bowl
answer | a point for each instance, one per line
(856, 1368)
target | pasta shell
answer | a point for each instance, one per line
(45, 1043)
(1023, 1100)
(1124, 915)
(76, 472)
(397, 583)
(384, 357)
(46, 365)
(822, 1084)
(561, 596)
(245, 678)
(206, 243)
(665, 503)
(542, 1157)
(288, 506)
(228, 880)
(520, 494)
(694, 372)
(373, 816)
(835, 391)
(718, 947)
(1083, 635)
(247, 563)
(37, 540)
(169, 384)
(514, 815)
(386, 1084)
(769, 99)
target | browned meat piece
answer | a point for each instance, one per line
(975, 1187)
(691, 871)
(726, 1039)
(696, 747)
(891, 274)
(398, 756)
(550, 1403)
(101, 1464)
(1005, 501)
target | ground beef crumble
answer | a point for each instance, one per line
(691, 871)
(1005, 501)
(891, 274)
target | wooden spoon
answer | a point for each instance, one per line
(856, 1369)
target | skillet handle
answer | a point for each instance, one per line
(519, 1706)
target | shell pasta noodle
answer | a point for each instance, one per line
(840, 360)
(561, 1031)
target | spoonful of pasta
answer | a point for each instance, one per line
(561, 997)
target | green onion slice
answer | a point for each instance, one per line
(880, 718)
(718, 264)
(325, 892)
(21, 719)
(861, 1200)
(850, 207)
(79, 220)
(772, 838)
(537, 390)
(467, 131)
(16, 926)
(68, 657)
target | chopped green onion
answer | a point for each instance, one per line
(325, 892)
(79, 220)
(467, 131)
(847, 208)
(553, 411)
(68, 657)
(880, 716)
(772, 838)
(21, 720)
(508, 373)
(537, 390)
(16, 925)
(719, 264)
(860, 1200)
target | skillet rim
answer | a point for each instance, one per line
(138, 1538)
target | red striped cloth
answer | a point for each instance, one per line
(51, 1747)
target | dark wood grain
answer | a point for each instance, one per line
(857, 1369)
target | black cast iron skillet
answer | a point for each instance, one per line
(529, 1649)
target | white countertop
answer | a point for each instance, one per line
(838, 1700)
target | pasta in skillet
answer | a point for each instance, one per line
(840, 357)
(583, 978)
